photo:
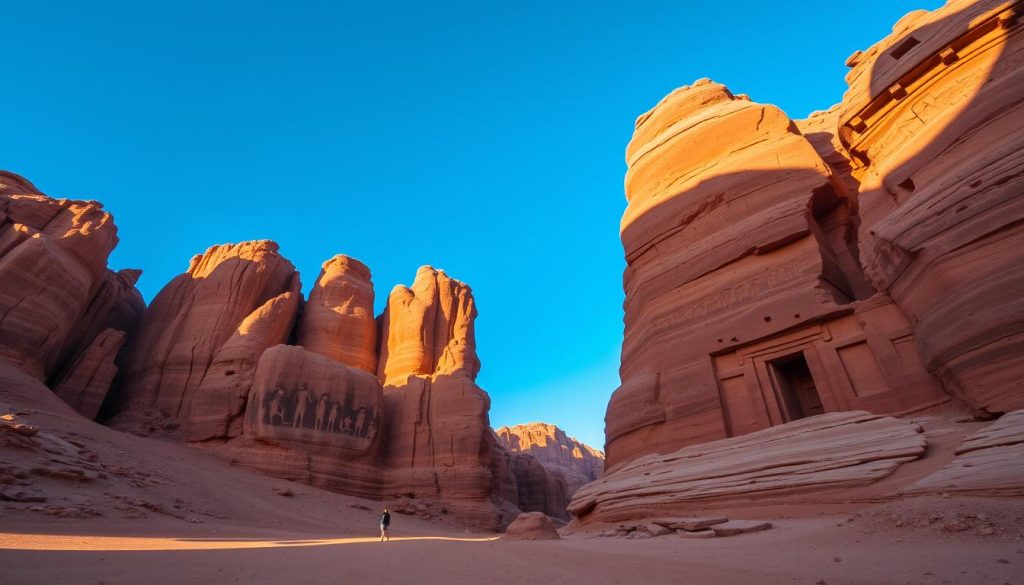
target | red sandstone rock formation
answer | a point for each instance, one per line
(190, 320)
(439, 440)
(64, 314)
(933, 123)
(53, 256)
(88, 379)
(312, 419)
(987, 463)
(532, 526)
(429, 329)
(337, 320)
(745, 303)
(221, 398)
(578, 463)
(817, 454)
(538, 487)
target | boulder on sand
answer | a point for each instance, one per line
(532, 526)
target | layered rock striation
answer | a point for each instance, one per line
(862, 259)
(63, 315)
(578, 463)
(440, 443)
(230, 358)
(830, 452)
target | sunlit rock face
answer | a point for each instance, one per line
(337, 320)
(860, 259)
(439, 441)
(427, 329)
(63, 315)
(222, 396)
(578, 463)
(933, 121)
(188, 322)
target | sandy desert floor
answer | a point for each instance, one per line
(882, 544)
(161, 512)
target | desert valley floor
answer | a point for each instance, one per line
(167, 513)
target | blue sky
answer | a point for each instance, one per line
(483, 138)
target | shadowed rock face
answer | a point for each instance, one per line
(525, 482)
(222, 396)
(85, 385)
(860, 259)
(579, 464)
(932, 122)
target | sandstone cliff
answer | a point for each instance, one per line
(63, 314)
(579, 464)
(209, 362)
(439, 439)
(860, 259)
(188, 322)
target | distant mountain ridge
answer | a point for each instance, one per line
(554, 449)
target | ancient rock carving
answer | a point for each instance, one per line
(301, 396)
(931, 124)
(745, 303)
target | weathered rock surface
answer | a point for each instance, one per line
(989, 462)
(189, 321)
(53, 259)
(578, 463)
(820, 453)
(532, 526)
(932, 122)
(696, 524)
(337, 320)
(538, 487)
(429, 329)
(87, 381)
(117, 305)
(746, 306)
(734, 527)
(312, 419)
(221, 398)
(440, 444)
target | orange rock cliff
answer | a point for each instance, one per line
(230, 358)
(866, 258)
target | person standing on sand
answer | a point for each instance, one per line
(385, 522)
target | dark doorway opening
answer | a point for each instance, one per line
(797, 392)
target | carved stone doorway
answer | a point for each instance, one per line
(795, 387)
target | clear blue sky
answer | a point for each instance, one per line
(483, 138)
